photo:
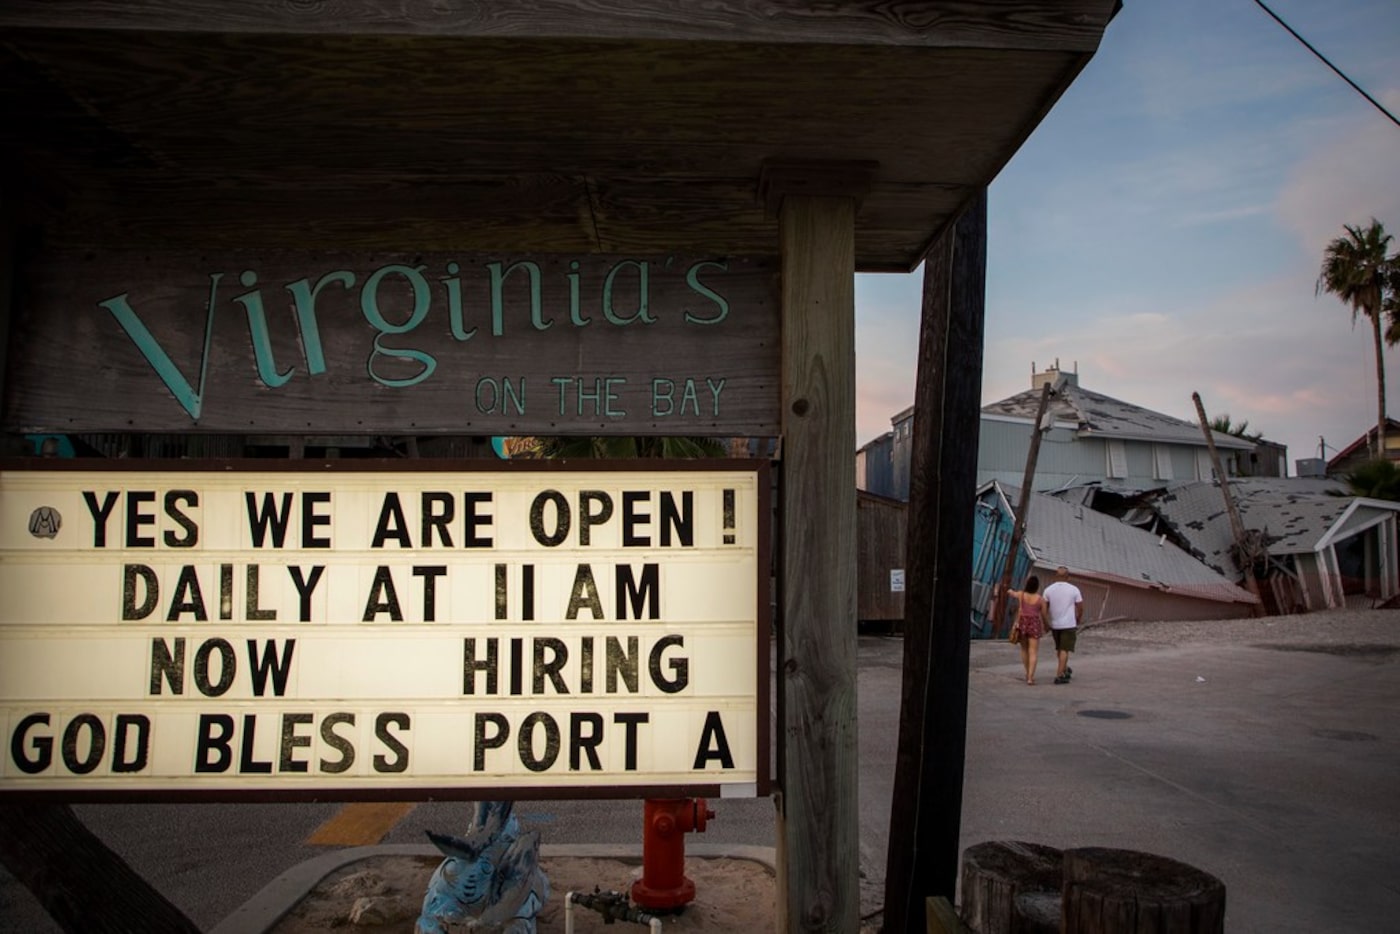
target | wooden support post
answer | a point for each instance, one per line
(818, 832)
(10, 446)
(926, 815)
(1236, 526)
(1023, 507)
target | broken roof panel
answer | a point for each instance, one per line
(1095, 545)
(1295, 514)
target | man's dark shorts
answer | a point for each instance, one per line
(1065, 639)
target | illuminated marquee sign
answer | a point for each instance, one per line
(496, 632)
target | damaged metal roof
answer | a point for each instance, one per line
(1295, 514)
(1095, 545)
(1103, 416)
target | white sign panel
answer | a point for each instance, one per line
(896, 580)
(512, 631)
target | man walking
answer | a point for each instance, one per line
(1066, 606)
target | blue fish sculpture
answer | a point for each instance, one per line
(490, 882)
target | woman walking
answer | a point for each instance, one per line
(1030, 621)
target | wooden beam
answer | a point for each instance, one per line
(1012, 24)
(1023, 508)
(9, 444)
(925, 820)
(82, 884)
(1246, 553)
(819, 843)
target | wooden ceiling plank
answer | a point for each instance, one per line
(1066, 25)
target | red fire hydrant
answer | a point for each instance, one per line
(665, 822)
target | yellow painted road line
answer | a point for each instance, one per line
(360, 824)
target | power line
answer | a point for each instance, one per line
(1359, 90)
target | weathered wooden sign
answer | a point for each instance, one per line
(500, 632)
(314, 343)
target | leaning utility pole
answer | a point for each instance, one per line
(1236, 526)
(1018, 525)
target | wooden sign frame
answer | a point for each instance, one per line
(405, 343)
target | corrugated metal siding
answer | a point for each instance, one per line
(991, 540)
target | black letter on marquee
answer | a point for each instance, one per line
(172, 509)
(649, 588)
(247, 765)
(438, 510)
(306, 587)
(391, 523)
(341, 744)
(629, 722)
(125, 721)
(587, 518)
(100, 515)
(217, 744)
(683, 521)
(389, 603)
(148, 577)
(172, 667)
(43, 746)
(228, 664)
(430, 573)
(585, 742)
(310, 519)
(381, 731)
(470, 666)
(631, 518)
(475, 518)
(681, 666)
(713, 735)
(97, 743)
(259, 522)
(558, 658)
(135, 518)
(562, 519)
(584, 593)
(525, 742)
(290, 741)
(482, 742)
(250, 593)
(193, 603)
(278, 667)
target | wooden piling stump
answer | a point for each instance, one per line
(995, 873)
(1109, 891)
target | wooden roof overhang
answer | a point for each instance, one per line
(552, 126)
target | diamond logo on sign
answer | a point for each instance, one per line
(45, 522)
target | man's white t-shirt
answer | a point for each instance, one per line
(1061, 597)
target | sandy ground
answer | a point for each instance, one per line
(383, 896)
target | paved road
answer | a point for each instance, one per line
(1270, 757)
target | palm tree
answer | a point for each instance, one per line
(1376, 479)
(1356, 269)
(1221, 423)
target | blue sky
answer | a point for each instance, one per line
(1163, 227)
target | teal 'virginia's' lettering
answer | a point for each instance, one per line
(391, 359)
